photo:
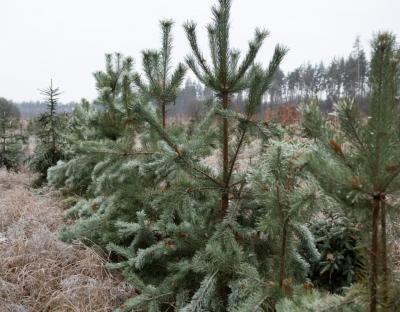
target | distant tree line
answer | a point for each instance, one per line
(343, 77)
(11, 135)
(31, 109)
(8, 108)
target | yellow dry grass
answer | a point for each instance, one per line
(37, 271)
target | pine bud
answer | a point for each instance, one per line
(179, 151)
(336, 147)
(355, 183)
(238, 238)
(308, 287)
(183, 234)
(170, 245)
(330, 257)
(287, 286)
(164, 186)
(392, 168)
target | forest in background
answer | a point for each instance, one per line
(343, 77)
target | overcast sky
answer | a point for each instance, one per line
(66, 39)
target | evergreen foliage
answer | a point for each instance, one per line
(310, 301)
(192, 236)
(226, 76)
(102, 132)
(344, 77)
(357, 164)
(158, 207)
(11, 140)
(9, 109)
(341, 263)
(162, 85)
(49, 126)
(289, 196)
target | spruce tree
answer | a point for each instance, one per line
(103, 130)
(342, 262)
(49, 133)
(358, 163)
(10, 141)
(103, 156)
(289, 195)
(162, 84)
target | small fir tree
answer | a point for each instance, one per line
(358, 163)
(10, 142)
(96, 131)
(342, 261)
(102, 152)
(289, 196)
(49, 133)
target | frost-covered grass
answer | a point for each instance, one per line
(37, 271)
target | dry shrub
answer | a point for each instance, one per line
(37, 271)
(284, 114)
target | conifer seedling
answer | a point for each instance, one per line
(162, 84)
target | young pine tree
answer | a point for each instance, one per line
(227, 75)
(204, 254)
(49, 133)
(162, 84)
(161, 216)
(358, 164)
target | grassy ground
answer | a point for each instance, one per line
(37, 271)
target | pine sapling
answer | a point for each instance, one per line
(225, 75)
(162, 84)
(359, 163)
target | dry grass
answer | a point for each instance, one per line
(37, 271)
(249, 154)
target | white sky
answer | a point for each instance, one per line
(66, 39)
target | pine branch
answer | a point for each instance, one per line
(201, 298)
(190, 29)
(254, 47)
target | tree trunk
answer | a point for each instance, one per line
(282, 260)
(163, 113)
(225, 158)
(373, 255)
(385, 280)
